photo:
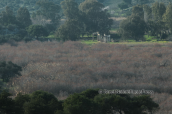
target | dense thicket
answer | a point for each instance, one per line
(87, 18)
(40, 102)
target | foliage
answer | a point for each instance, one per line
(19, 102)
(158, 9)
(97, 18)
(90, 93)
(74, 20)
(126, 104)
(50, 11)
(23, 17)
(77, 104)
(69, 31)
(7, 105)
(133, 27)
(122, 6)
(167, 17)
(7, 17)
(9, 70)
(138, 10)
(148, 13)
(37, 30)
(41, 103)
(70, 9)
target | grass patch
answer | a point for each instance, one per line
(50, 36)
(89, 42)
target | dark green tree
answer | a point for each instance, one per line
(133, 28)
(138, 10)
(97, 18)
(90, 93)
(75, 19)
(23, 16)
(167, 17)
(77, 104)
(70, 30)
(142, 104)
(9, 70)
(158, 10)
(37, 30)
(7, 17)
(117, 103)
(147, 13)
(50, 11)
(7, 105)
(41, 103)
(19, 102)
(70, 9)
(125, 104)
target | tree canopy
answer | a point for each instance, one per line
(23, 16)
(37, 30)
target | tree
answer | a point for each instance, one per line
(97, 18)
(75, 19)
(167, 17)
(108, 103)
(7, 17)
(138, 10)
(142, 104)
(147, 13)
(90, 93)
(7, 105)
(19, 102)
(23, 16)
(70, 9)
(9, 70)
(50, 11)
(158, 9)
(37, 30)
(41, 103)
(70, 30)
(77, 104)
(125, 104)
(133, 27)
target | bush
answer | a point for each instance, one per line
(9, 70)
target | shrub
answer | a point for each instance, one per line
(9, 70)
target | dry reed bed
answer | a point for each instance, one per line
(65, 68)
